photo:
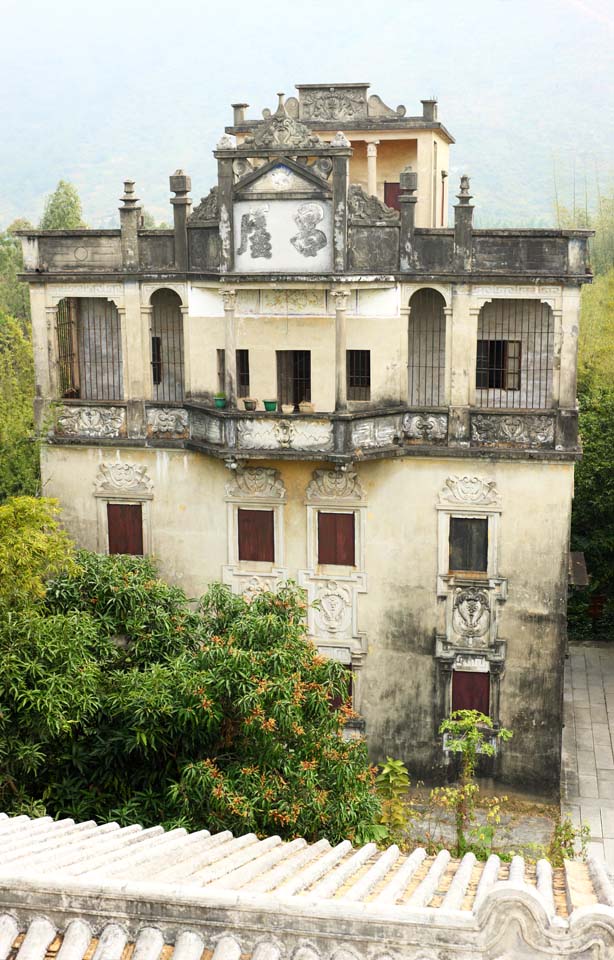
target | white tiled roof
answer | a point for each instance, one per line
(94, 889)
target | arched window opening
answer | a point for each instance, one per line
(514, 355)
(427, 349)
(89, 349)
(167, 357)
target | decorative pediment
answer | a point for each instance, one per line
(335, 485)
(363, 207)
(281, 177)
(470, 491)
(280, 130)
(207, 209)
(118, 478)
(256, 483)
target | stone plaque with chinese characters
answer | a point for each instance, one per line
(283, 236)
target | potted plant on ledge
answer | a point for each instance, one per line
(270, 405)
(219, 400)
(249, 403)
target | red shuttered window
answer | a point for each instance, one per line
(125, 523)
(336, 539)
(256, 535)
(471, 691)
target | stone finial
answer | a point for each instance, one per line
(180, 182)
(463, 195)
(129, 198)
(340, 140)
(408, 180)
(281, 106)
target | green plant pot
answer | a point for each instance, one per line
(270, 405)
(220, 402)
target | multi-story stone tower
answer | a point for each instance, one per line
(416, 472)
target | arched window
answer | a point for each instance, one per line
(514, 354)
(427, 349)
(89, 349)
(167, 358)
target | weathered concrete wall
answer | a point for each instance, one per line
(78, 250)
(399, 687)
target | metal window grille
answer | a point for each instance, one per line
(156, 360)
(68, 350)
(293, 376)
(243, 373)
(427, 349)
(515, 355)
(89, 349)
(221, 371)
(358, 372)
(167, 359)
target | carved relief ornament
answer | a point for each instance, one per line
(207, 209)
(428, 427)
(256, 483)
(534, 430)
(281, 130)
(284, 434)
(470, 491)
(471, 613)
(331, 103)
(335, 485)
(167, 420)
(333, 613)
(365, 208)
(91, 421)
(120, 477)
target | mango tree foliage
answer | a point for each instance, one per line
(33, 548)
(215, 716)
(19, 448)
(63, 209)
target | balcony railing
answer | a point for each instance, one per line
(327, 436)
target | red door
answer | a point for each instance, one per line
(471, 691)
(391, 195)
(125, 521)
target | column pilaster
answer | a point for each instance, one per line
(340, 298)
(229, 298)
(372, 167)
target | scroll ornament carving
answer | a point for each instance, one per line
(377, 432)
(331, 104)
(91, 421)
(335, 485)
(333, 611)
(471, 613)
(207, 209)
(258, 584)
(118, 476)
(363, 207)
(256, 483)
(284, 434)
(281, 130)
(420, 426)
(167, 420)
(470, 490)
(512, 429)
